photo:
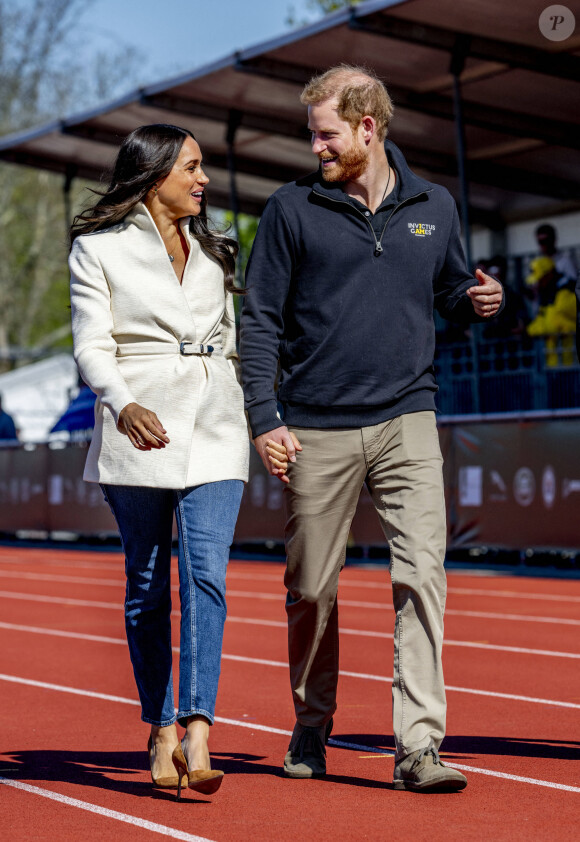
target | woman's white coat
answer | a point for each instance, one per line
(129, 316)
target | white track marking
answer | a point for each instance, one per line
(279, 597)
(258, 727)
(60, 600)
(513, 594)
(57, 577)
(277, 624)
(359, 583)
(95, 638)
(77, 563)
(522, 618)
(103, 811)
(270, 577)
(85, 603)
(46, 685)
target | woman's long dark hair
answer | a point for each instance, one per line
(146, 155)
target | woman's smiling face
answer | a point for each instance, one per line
(181, 191)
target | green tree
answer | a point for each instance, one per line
(42, 75)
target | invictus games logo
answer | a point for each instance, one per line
(420, 229)
(557, 23)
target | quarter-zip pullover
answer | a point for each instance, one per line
(346, 307)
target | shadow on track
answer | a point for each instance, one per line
(464, 746)
(109, 770)
(117, 771)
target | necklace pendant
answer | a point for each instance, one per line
(171, 257)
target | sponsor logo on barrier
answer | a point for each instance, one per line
(548, 486)
(471, 485)
(524, 486)
(498, 492)
(569, 486)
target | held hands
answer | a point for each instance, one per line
(142, 426)
(276, 448)
(487, 296)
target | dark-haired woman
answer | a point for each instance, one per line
(154, 337)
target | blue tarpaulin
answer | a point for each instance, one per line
(79, 415)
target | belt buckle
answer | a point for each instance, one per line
(183, 348)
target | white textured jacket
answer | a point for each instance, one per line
(130, 315)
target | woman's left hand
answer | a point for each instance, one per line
(142, 426)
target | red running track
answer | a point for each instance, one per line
(73, 760)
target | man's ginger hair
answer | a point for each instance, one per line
(359, 92)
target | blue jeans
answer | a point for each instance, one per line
(206, 517)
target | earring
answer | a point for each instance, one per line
(155, 189)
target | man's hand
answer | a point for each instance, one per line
(275, 448)
(143, 427)
(487, 296)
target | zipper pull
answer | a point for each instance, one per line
(378, 250)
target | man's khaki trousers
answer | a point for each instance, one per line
(400, 461)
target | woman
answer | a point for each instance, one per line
(154, 337)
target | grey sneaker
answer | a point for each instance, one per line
(422, 771)
(306, 756)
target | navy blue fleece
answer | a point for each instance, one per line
(352, 328)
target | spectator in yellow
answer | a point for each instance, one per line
(556, 318)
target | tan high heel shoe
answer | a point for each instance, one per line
(206, 781)
(167, 782)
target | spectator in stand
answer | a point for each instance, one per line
(7, 427)
(551, 271)
(552, 281)
(563, 263)
(578, 318)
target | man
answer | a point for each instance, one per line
(565, 274)
(551, 285)
(345, 269)
(7, 427)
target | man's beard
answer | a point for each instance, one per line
(349, 166)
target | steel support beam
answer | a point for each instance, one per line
(504, 120)
(271, 124)
(559, 65)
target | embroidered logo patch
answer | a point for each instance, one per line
(420, 229)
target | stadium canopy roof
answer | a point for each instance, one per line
(520, 95)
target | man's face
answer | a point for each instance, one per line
(546, 243)
(341, 152)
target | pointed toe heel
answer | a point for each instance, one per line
(206, 781)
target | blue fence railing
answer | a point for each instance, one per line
(508, 375)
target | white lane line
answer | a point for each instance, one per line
(258, 727)
(103, 811)
(467, 643)
(513, 594)
(46, 685)
(95, 638)
(522, 618)
(58, 577)
(68, 561)
(360, 583)
(261, 577)
(60, 600)
(85, 603)
(381, 606)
